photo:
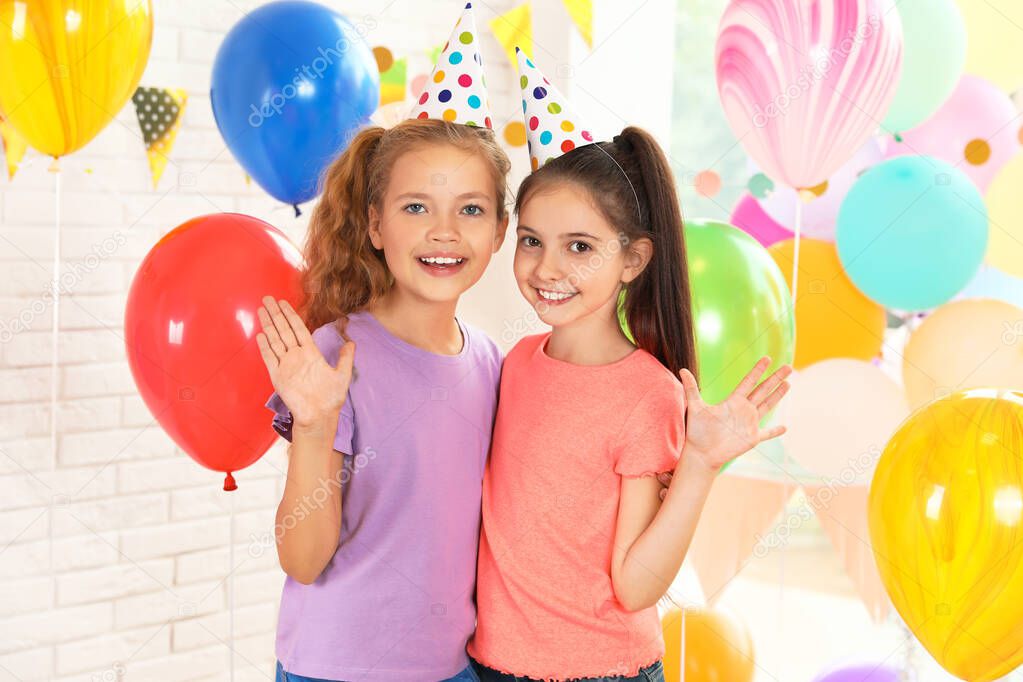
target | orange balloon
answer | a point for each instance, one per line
(718, 646)
(970, 343)
(834, 319)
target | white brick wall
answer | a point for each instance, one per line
(113, 557)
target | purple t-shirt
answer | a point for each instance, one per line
(396, 601)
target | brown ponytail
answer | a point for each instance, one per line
(343, 272)
(630, 181)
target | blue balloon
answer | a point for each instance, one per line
(912, 232)
(292, 82)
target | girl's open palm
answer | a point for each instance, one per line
(722, 432)
(305, 381)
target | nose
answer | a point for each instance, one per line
(548, 266)
(443, 230)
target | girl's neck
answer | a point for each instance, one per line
(429, 325)
(596, 339)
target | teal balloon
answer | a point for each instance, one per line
(933, 55)
(912, 232)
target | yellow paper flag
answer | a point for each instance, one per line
(159, 112)
(514, 29)
(14, 146)
(581, 12)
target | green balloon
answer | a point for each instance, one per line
(742, 307)
(933, 55)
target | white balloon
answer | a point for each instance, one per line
(840, 414)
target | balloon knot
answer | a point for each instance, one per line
(229, 483)
(54, 166)
(297, 211)
(898, 138)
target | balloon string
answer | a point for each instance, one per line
(785, 455)
(230, 594)
(682, 647)
(54, 338)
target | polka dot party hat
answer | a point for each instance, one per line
(552, 128)
(456, 90)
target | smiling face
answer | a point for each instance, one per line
(437, 222)
(570, 263)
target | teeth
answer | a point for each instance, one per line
(442, 261)
(553, 295)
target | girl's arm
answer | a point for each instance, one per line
(309, 516)
(652, 537)
(308, 520)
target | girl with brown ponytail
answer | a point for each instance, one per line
(579, 542)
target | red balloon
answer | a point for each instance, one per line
(190, 329)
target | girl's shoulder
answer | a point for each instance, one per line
(482, 343)
(649, 377)
(525, 347)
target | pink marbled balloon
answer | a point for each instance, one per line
(804, 83)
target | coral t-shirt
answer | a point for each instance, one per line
(564, 437)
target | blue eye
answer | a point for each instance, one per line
(529, 241)
(473, 210)
(583, 247)
(413, 208)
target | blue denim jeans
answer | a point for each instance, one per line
(467, 675)
(652, 673)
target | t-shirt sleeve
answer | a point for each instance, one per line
(653, 434)
(329, 343)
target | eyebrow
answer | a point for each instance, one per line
(421, 195)
(567, 235)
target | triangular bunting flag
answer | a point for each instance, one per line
(515, 28)
(842, 512)
(581, 12)
(738, 512)
(159, 112)
(393, 82)
(14, 146)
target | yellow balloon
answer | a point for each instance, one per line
(834, 319)
(946, 521)
(68, 66)
(975, 342)
(993, 40)
(1005, 213)
(718, 647)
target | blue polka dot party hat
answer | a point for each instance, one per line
(552, 128)
(456, 90)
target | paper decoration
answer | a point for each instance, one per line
(159, 112)
(581, 12)
(553, 124)
(393, 82)
(514, 29)
(14, 146)
(842, 512)
(738, 513)
(456, 90)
